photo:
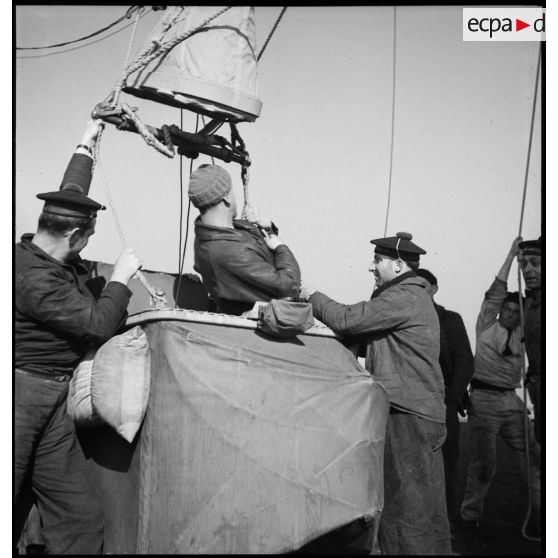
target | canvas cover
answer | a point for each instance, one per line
(254, 445)
(214, 70)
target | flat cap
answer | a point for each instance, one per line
(398, 246)
(70, 202)
(531, 247)
(209, 184)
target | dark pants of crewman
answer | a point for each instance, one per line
(50, 468)
(414, 519)
(450, 452)
(534, 388)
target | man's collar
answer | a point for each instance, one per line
(27, 240)
(402, 277)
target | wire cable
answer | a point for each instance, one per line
(181, 202)
(78, 47)
(392, 118)
(182, 259)
(271, 33)
(127, 15)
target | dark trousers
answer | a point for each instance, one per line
(450, 452)
(50, 468)
(414, 519)
(534, 388)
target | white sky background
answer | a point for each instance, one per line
(321, 147)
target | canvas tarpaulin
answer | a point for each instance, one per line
(253, 445)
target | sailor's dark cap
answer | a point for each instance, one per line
(398, 246)
(531, 247)
(70, 202)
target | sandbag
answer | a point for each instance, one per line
(120, 382)
(285, 318)
(79, 405)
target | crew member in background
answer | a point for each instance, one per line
(239, 263)
(456, 362)
(402, 351)
(530, 264)
(497, 409)
(56, 321)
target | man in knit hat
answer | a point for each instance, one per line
(57, 320)
(530, 260)
(239, 262)
(400, 328)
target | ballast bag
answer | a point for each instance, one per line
(120, 382)
(285, 318)
(79, 405)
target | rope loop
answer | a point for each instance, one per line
(148, 137)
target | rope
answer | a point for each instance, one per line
(392, 119)
(522, 315)
(127, 15)
(132, 37)
(271, 33)
(149, 138)
(156, 296)
(530, 141)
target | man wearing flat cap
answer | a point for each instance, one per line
(530, 259)
(239, 263)
(57, 320)
(401, 331)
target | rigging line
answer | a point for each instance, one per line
(203, 122)
(526, 421)
(530, 138)
(271, 33)
(187, 226)
(138, 13)
(127, 15)
(181, 200)
(392, 118)
(32, 56)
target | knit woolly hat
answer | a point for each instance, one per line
(209, 184)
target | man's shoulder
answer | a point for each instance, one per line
(26, 257)
(450, 315)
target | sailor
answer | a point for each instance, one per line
(240, 263)
(57, 320)
(401, 331)
(530, 260)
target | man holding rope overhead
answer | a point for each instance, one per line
(530, 264)
(57, 320)
(401, 330)
(239, 262)
(497, 410)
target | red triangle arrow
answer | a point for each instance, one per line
(519, 25)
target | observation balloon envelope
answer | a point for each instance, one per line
(212, 72)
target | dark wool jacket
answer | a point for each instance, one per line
(533, 331)
(456, 357)
(239, 269)
(56, 316)
(403, 342)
